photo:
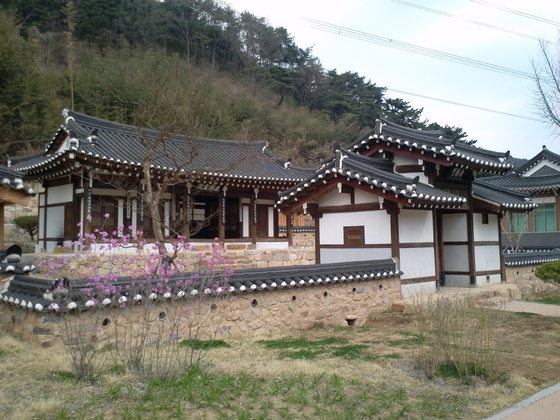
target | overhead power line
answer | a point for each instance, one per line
(393, 43)
(475, 22)
(464, 105)
(517, 12)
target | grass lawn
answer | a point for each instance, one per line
(551, 298)
(324, 373)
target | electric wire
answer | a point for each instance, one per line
(517, 12)
(464, 105)
(475, 22)
(392, 43)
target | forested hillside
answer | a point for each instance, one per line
(191, 66)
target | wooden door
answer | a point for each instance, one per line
(262, 221)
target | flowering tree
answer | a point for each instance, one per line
(131, 298)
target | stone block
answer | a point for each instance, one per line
(42, 331)
(288, 320)
(398, 306)
(152, 341)
(243, 328)
(256, 324)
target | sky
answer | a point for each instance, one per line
(405, 73)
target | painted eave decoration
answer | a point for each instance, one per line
(40, 295)
(506, 199)
(430, 146)
(114, 148)
(370, 174)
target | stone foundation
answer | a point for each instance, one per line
(244, 314)
(524, 277)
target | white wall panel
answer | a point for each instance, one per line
(418, 289)
(455, 280)
(361, 197)
(334, 198)
(60, 194)
(377, 226)
(544, 200)
(416, 226)
(271, 222)
(483, 280)
(540, 165)
(246, 221)
(454, 227)
(404, 160)
(417, 262)
(41, 223)
(332, 255)
(55, 222)
(487, 257)
(487, 232)
(42, 199)
(456, 257)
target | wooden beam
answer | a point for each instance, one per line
(502, 261)
(2, 206)
(289, 233)
(221, 217)
(253, 219)
(395, 248)
(349, 208)
(10, 196)
(438, 242)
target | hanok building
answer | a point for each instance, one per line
(411, 195)
(94, 167)
(539, 176)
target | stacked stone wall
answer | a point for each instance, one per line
(13, 234)
(244, 314)
(524, 277)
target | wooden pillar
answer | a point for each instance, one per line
(275, 215)
(394, 213)
(221, 217)
(45, 208)
(87, 204)
(317, 239)
(470, 244)
(253, 219)
(557, 210)
(502, 261)
(2, 206)
(438, 244)
(289, 233)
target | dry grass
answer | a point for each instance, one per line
(34, 382)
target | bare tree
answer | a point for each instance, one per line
(547, 81)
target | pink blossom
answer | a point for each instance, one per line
(107, 215)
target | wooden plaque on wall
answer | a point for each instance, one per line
(354, 235)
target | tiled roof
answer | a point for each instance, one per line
(535, 241)
(13, 179)
(431, 143)
(113, 143)
(544, 154)
(37, 294)
(530, 258)
(378, 175)
(526, 183)
(505, 198)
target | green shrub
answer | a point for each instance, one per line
(28, 223)
(549, 271)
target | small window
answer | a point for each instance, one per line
(484, 218)
(354, 235)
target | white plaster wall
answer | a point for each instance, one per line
(454, 227)
(486, 257)
(60, 194)
(332, 255)
(540, 165)
(377, 226)
(487, 232)
(494, 278)
(418, 289)
(404, 160)
(271, 222)
(361, 197)
(334, 198)
(456, 257)
(55, 222)
(455, 280)
(416, 226)
(245, 221)
(51, 245)
(417, 262)
(41, 223)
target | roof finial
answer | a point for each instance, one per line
(544, 147)
(288, 163)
